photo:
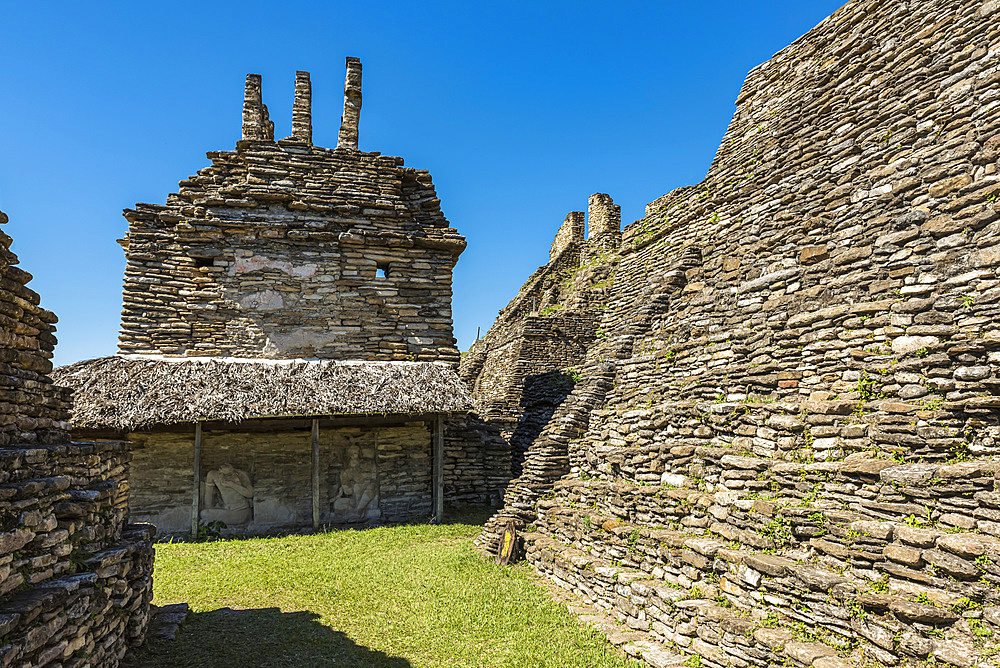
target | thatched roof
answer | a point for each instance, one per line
(139, 392)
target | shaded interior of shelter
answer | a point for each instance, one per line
(256, 477)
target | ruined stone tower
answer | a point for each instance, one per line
(283, 249)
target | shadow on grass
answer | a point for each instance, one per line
(258, 638)
(475, 515)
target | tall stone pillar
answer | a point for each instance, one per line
(302, 109)
(256, 123)
(252, 112)
(348, 138)
(605, 217)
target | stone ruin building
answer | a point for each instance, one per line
(286, 356)
(522, 370)
(777, 438)
(75, 578)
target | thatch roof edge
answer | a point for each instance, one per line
(131, 392)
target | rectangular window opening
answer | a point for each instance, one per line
(382, 270)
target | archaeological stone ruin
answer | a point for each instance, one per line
(761, 426)
(286, 357)
(758, 427)
(75, 576)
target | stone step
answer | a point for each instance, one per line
(836, 596)
(680, 625)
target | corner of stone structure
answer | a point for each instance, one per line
(570, 232)
(348, 137)
(56, 592)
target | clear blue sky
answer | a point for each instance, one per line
(519, 111)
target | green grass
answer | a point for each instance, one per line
(389, 597)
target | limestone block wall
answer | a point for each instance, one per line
(477, 461)
(285, 249)
(75, 579)
(796, 460)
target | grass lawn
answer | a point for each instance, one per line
(389, 597)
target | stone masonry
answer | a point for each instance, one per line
(522, 371)
(796, 458)
(570, 232)
(283, 249)
(75, 579)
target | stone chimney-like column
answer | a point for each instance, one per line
(256, 124)
(348, 138)
(302, 109)
(605, 217)
(252, 111)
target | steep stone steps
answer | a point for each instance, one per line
(547, 458)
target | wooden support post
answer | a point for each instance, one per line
(315, 473)
(196, 492)
(438, 469)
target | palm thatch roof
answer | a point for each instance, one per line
(131, 393)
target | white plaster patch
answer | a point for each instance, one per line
(265, 300)
(245, 265)
(298, 340)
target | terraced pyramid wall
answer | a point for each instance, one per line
(795, 461)
(75, 577)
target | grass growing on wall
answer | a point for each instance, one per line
(390, 597)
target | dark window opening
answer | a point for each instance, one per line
(382, 270)
(203, 262)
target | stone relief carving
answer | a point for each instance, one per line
(356, 499)
(228, 496)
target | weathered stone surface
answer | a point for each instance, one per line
(75, 578)
(919, 612)
(807, 652)
(769, 564)
(803, 352)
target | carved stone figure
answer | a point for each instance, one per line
(234, 504)
(357, 498)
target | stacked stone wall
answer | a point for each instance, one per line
(604, 218)
(477, 461)
(285, 249)
(75, 579)
(797, 460)
(570, 232)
